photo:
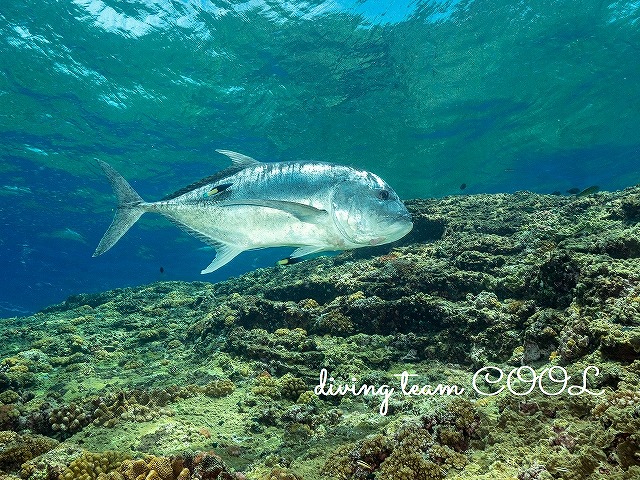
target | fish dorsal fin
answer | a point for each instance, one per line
(215, 178)
(304, 213)
(239, 159)
(240, 162)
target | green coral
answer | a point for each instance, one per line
(9, 396)
(408, 465)
(16, 449)
(93, 466)
(279, 473)
(292, 387)
(219, 388)
(307, 397)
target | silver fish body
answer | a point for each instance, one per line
(313, 206)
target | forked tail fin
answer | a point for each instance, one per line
(128, 212)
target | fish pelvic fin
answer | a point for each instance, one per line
(129, 210)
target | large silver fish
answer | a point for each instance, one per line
(310, 205)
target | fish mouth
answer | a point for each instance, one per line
(401, 226)
(405, 217)
(405, 220)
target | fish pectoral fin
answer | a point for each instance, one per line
(302, 251)
(304, 213)
(239, 159)
(224, 254)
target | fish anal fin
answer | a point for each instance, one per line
(224, 254)
(304, 213)
(238, 158)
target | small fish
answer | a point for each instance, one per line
(161, 270)
(16, 189)
(314, 206)
(589, 190)
(573, 190)
(66, 234)
(556, 193)
(463, 186)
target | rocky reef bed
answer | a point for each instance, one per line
(216, 381)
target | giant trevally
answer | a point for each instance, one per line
(314, 206)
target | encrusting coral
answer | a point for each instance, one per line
(16, 449)
(421, 451)
(92, 466)
(279, 473)
(112, 465)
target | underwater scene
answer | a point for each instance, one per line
(319, 240)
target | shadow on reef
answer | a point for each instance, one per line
(226, 373)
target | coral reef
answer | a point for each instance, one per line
(16, 449)
(217, 380)
(68, 418)
(425, 449)
(219, 388)
(112, 465)
(279, 473)
(91, 466)
(292, 387)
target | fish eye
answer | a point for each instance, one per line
(383, 195)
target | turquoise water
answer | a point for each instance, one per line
(499, 96)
